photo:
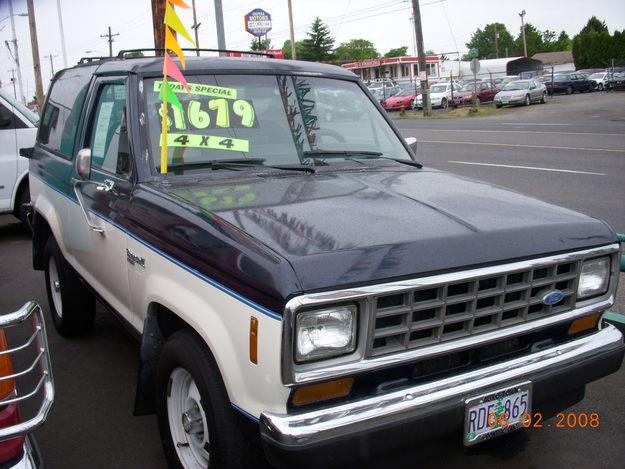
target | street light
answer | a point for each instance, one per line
(522, 15)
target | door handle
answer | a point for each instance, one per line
(106, 186)
(77, 184)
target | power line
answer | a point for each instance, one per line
(110, 40)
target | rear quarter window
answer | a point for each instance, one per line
(61, 115)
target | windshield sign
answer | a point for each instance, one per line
(517, 85)
(277, 119)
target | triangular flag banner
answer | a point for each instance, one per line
(179, 3)
(172, 44)
(173, 71)
(172, 20)
(170, 97)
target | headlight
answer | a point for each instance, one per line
(594, 277)
(325, 333)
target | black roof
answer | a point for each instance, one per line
(153, 66)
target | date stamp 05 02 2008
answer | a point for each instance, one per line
(535, 420)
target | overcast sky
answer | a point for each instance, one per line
(384, 22)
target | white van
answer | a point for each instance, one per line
(18, 129)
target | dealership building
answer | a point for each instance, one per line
(394, 67)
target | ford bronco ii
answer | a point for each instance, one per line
(305, 279)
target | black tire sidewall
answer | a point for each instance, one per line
(227, 447)
(528, 100)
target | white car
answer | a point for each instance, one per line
(523, 92)
(440, 95)
(600, 79)
(18, 129)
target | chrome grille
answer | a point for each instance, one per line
(436, 313)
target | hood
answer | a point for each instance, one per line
(513, 92)
(349, 227)
(399, 99)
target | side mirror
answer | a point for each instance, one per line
(412, 143)
(83, 163)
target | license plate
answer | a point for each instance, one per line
(505, 100)
(496, 413)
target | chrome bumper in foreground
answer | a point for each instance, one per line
(316, 427)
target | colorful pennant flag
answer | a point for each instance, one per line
(170, 69)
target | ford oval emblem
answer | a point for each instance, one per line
(553, 297)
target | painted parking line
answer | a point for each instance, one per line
(535, 168)
(523, 145)
(554, 132)
(528, 123)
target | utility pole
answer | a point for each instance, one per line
(35, 49)
(110, 40)
(195, 27)
(496, 42)
(158, 24)
(51, 57)
(58, 10)
(17, 55)
(425, 92)
(522, 15)
(13, 81)
(219, 22)
(293, 48)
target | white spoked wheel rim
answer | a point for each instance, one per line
(187, 421)
(55, 287)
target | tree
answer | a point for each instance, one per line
(533, 38)
(319, 43)
(483, 40)
(263, 44)
(397, 52)
(564, 42)
(356, 49)
(594, 24)
(299, 50)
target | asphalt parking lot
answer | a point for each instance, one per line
(570, 152)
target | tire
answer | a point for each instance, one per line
(569, 90)
(22, 198)
(72, 305)
(600, 87)
(186, 373)
(444, 103)
(528, 101)
(497, 106)
(543, 98)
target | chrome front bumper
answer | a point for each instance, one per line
(318, 426)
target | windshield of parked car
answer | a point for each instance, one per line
(33, 117)
(596, 76)
(517, 85)
(438, 89)
(279, 119)
(561, 77)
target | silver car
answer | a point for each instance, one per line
(523, 92)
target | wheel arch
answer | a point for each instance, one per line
(41, 233)
(19, 187)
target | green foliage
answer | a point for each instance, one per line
(356, 49)
(397, 52)
(564, 42)
(286, 49)
(484, 41)
(319, 43)
(595, 47)
(263, 44)
(534, 40)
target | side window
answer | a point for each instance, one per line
(108, 136)
(61, 116)
(6, 118)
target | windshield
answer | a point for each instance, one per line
(517, 85)
(597, 75)
(275, 118)
(33, 117)
(561, 77)
(438, 88)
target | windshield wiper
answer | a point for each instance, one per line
(347, 154)
(238, 164)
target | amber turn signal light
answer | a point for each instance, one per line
(7, 386)
(584, 324)
(322, 391)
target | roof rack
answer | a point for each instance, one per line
(123, 53)
(86, 60)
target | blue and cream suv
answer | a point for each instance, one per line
(304, 290)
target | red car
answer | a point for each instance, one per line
(485, 93)
(403, 99)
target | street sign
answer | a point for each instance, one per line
(258, 22)
(475, 66)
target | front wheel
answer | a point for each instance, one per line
(497, 106)
(528, 101)
(196, 421)
(72, 305)
(600, 87)
(543, 98)
(444, 103)
(569, 89)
